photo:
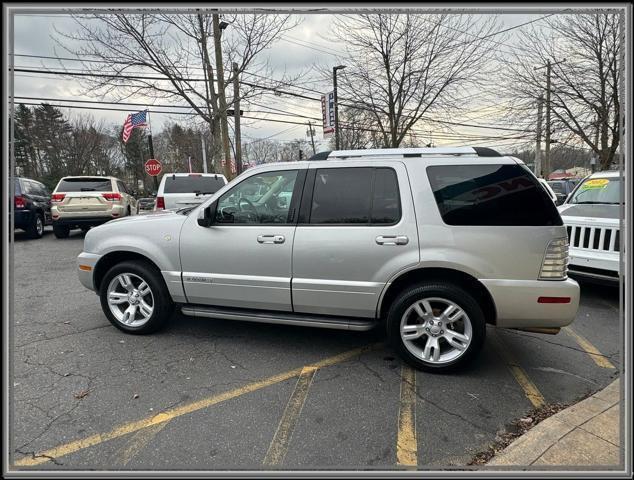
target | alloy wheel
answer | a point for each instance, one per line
(436, 330)
(130, 299)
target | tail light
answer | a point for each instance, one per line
(555, 262)
(19, 201)
(112, 197)
(58, 197)
(160, 203)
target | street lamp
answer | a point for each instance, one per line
(334, 84)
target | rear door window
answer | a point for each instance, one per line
(85, 185)
(355, 195)
(193, 184)
(495, 195)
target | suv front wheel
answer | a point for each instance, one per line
(436, 326)
(135, 298)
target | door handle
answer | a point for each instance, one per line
(392, 240)
(271, 239)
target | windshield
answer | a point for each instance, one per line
(193, 184)
(598, 190)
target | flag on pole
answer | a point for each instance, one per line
(134, 120)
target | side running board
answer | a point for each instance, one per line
(285, 318)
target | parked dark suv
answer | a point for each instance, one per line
(562, 188)
(32, 206)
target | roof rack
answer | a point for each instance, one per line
(415, 152)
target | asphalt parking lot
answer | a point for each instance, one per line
(215, 395)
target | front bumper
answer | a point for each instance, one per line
(594, 264)
(517, 306)
(84, 262)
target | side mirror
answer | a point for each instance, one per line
(205, 216)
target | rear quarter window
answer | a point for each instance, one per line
(84, 185)
(491, 195)
(192, 184)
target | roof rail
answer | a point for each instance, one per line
(414, 152)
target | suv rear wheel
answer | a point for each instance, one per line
(36, 228)
(135, 298)
(436, 326)
(61, 231)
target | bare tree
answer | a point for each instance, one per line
(355, 128)
(89, 147)
(261, 151)
(167, 56)
(585, 98)
(401, 67)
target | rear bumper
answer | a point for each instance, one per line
(22, 218)
(87, 221)
(517, 306)
(84, 261)
(86, 218)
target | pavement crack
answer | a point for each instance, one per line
(541, 339)
(34, 456)
(27, 344)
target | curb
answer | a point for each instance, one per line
(587, 433)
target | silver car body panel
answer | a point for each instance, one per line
(225, 265)
(155, 236)
(341, 269)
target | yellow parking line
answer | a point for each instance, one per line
(530, 389)
(281, 440)
(138, 442)
(406, 445)
(590, 349)
(170, 414)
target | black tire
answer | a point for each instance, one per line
(36, 228)
(453, 293)
(84, 229)
(61, 231)
(162, 301)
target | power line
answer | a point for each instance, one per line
(55, 72)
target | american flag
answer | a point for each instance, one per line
(134, 120)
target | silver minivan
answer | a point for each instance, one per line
(431, 244)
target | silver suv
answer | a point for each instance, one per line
(431, 244)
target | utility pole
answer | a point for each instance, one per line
(202, 141)
(221, 96)
(210, 89)
(548, 126)
(236, 116)
(334, 92)
(593, 164)
(546, 163)
(538, 143)
(312, 139)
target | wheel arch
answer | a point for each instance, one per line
(450, 275)
(110, 259)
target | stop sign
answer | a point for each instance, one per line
(153, 167)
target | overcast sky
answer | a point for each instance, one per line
(297, 51)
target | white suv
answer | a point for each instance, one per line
(178, 190)
(591, 215)
(82, 202)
